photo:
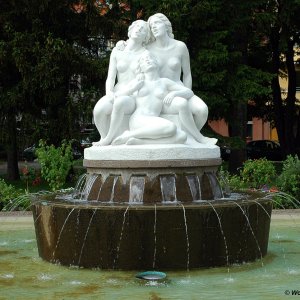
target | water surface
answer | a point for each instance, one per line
(23, 275)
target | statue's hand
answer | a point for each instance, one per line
(169, 98)
(139, 82)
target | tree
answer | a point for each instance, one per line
(277, 29)
(42, 45)
(219, 35)
(284, 35)
(238, 51)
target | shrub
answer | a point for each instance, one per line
(230, 182)
(7, 193)
(254, 174)
(289, 180)
(258, 173)
(56, 162)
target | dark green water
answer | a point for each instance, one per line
(23, 275)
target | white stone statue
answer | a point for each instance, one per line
(174, 61)
(122, 67)
(148, 88)
(152, 93)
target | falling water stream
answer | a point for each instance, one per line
(86, 234)
(62, 229)
(187, 240)
(194, 185)
(154, 233)
(121, 236)
(223, 235)
(168, 189)
(136, 189)
(112, 196)
(250, 227)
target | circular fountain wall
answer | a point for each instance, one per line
(156, 236)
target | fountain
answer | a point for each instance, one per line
(151, 198)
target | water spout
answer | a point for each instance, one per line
(136, 189)
(194, 186)
(168, 188)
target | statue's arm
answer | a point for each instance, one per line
(112, 73)
(186, 67)
(176, 90)
(133, 86)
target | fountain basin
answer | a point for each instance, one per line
(153, 236)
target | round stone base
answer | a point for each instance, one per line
(146, 237)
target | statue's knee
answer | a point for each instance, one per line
(181, 103)
(102, 107)
(170, 129)
(201, 112)
(120, 103)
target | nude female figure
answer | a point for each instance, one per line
(151, 94)
(122, 66)
(173, 59)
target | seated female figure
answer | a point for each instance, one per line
(152, 93)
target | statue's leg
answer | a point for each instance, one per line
(147, 127)
(101, 114)
(199, 110)
(179, 138)
(122, 105)
(180, 105)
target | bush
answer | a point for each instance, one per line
(289, 180)
(258, 173)
(7, 193)
(230, 182)
(254, 174)
(56, 163)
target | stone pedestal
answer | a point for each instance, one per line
(152, 175)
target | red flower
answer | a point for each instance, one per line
(25, 171)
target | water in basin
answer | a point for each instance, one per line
(24, 275)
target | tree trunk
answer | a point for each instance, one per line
(290, 120)
(279, 110)
(238, 128)
(12, 151)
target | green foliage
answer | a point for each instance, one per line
(254, 174)
(289, 180)
(257, 173)
(7, 193)
(283, 200)
(56, 162)
(230, 182)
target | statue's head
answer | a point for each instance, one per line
(146, 61)
(139, 28)
(159, 22)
